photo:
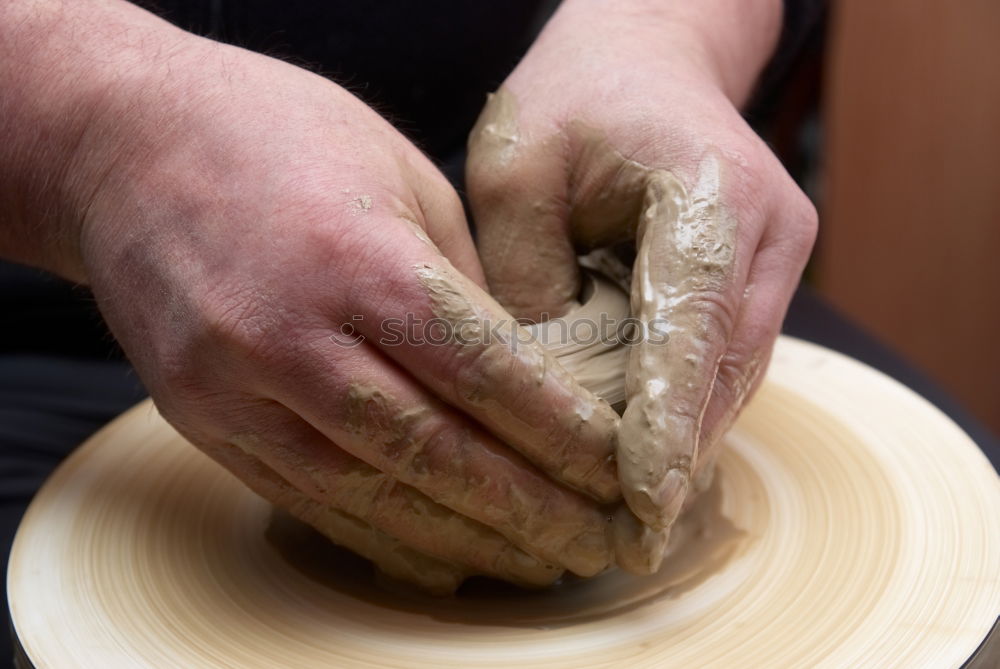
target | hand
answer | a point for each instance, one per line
(621, 124)
(249, 229)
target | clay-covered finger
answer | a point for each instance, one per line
(387, 552)
(684, 294)
(517, 192)
(460, 343)
(771, 281)
(341, 483)
(399, 561)
(517, 184)
(374, 410)
(638, 548)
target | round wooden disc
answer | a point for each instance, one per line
(851, 525)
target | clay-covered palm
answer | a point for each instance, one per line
(617, 128)
(251, 220)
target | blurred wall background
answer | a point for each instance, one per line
(909, 195)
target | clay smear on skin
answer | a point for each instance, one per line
(569, 534)
(449, 295)
(495, 143)
(360, 204)
(703, 543)
(389, 554)
(355, 489)
(600, 366)
(686, 244)
(686, 254)
(497, 128)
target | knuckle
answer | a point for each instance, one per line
(237, 322)
(495, 374)
(254, 325)
(748, 190)
(805, 224)
(197, 395)
(795, 233)
(339, 244)
(197, 403)
(490, 191)
(739, 371)
(713, 315)
(483, 179)
(728, 380)
(184, 382)
(380, 281)
(344, 248)
(496, 185)
(185, 414)
(416, 453)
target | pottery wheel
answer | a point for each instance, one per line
(851, 525)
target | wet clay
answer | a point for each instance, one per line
(595, 356)
(516, 181)
(359, 500)
(685, 240)
(499, 493)
(702, 543)
(686, 253)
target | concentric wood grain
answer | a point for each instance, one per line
(852, 525)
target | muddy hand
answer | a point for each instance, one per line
(623, 125)
(297, 287)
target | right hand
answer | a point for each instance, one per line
(621, 126)
(241, 215)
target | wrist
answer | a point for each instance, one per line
(68, 71)
(740, 36)
(730, 41)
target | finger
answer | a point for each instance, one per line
(387, 553)
(683, 292)
(373, 410)
(639, 548)
(517, 192)
(702, 480)
(339, 481)
(463, 346)
(442, 222)
(774, 274)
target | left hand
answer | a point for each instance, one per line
(622, 123)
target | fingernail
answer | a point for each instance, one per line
(638, 548)
(671, 494)
(660, 506)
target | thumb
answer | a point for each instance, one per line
(517, 191)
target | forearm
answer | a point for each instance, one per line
(67, 69)
(732, 39)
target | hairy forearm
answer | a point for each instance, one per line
(734, 39)
(67, 69)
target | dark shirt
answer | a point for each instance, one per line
(426, 66)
